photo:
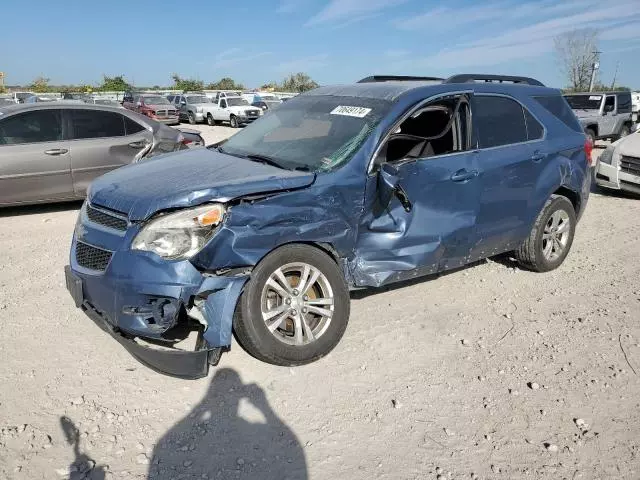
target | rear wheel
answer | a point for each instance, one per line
(210, 120)
(295, 307)
(591, 135)
(233, 121)
(551, 236)
(192, 118)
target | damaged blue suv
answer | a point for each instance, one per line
(340, 188)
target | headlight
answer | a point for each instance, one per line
(179, 235)
(607, 156)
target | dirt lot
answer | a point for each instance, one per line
(489, 371)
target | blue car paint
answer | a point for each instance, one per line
(451, 224)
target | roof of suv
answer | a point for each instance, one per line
(392, 87)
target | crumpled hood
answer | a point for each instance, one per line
(629, 146)
(189, 177)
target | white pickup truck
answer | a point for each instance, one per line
(235, 110)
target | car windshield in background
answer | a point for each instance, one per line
(315, 133)
(156, 100)
(197, 99)
(584, 102)
(236, 101)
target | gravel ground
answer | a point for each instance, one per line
(487, 372)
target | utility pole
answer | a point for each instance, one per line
(613, 84)
(594, 69)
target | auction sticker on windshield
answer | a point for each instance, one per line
(359, 112)
(595, 97)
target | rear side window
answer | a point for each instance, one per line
(31, 127)
(498, 121)
(624, 103)
(535, 131)
(131, 126)
(96, 124)
(559, 108)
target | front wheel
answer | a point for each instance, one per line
(192, 119)
(551, 236)
(294, 309)
(233, 121)
(624, 131)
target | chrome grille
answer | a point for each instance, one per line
(92, 257)
(106, 219)
(630, 165)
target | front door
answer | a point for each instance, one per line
(609, 119)
(434, 229)
(34, 158)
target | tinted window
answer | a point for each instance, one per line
(498, 121)
(223, 104)
(132, 126)
(624, 103)
(96, 124)
(31, 127)
(535, 131)
(610, 104)
(558, 107)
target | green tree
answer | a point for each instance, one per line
(114, 84)
(298, 82)
(3, 89)
(40, 85)
(225, 83)
(180, 83)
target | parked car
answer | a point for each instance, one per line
(83, 97)
(153, 106)
(20, 97)
(234, 110)
(265, 101)
(6, 100)
(104, 101)
(603, 115)
(343, 187)
(40, 98)
(193, 107)
(51, 152)
(618, 167)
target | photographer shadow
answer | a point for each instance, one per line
(231, 433)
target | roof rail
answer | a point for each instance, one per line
(397, 78)
(479, 77)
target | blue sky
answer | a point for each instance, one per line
(335, 41)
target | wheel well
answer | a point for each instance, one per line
(573, 197)
(593, 127)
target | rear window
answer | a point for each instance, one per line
(96, 124)
(558, 107)
(132, 126)
(499, 121)
(624, 103)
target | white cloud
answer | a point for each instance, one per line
(304, 64)
(533, 39)
(339, 11)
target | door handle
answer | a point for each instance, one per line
(537, 156)
(138, 144)
(464, 175)
(56, 151)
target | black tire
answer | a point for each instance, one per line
(233, 121)
(530, 254)
(210, 121)
(192, 118)
(591, 135)
(251, 330)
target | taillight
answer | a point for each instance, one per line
(588, 149)
(186, 141)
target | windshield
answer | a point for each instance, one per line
(155, 100)
(584, 102)
(236, 101)
(197, 99)
(316, 133)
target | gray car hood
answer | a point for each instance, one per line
(187, 178)
(629, 146)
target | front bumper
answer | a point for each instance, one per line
(245, 119)
(139, 295)
(168, 121)
(610, 176)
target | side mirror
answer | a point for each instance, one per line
(139, 104)
(183, 102)
(389, 187)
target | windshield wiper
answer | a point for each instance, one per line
(266, 160)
